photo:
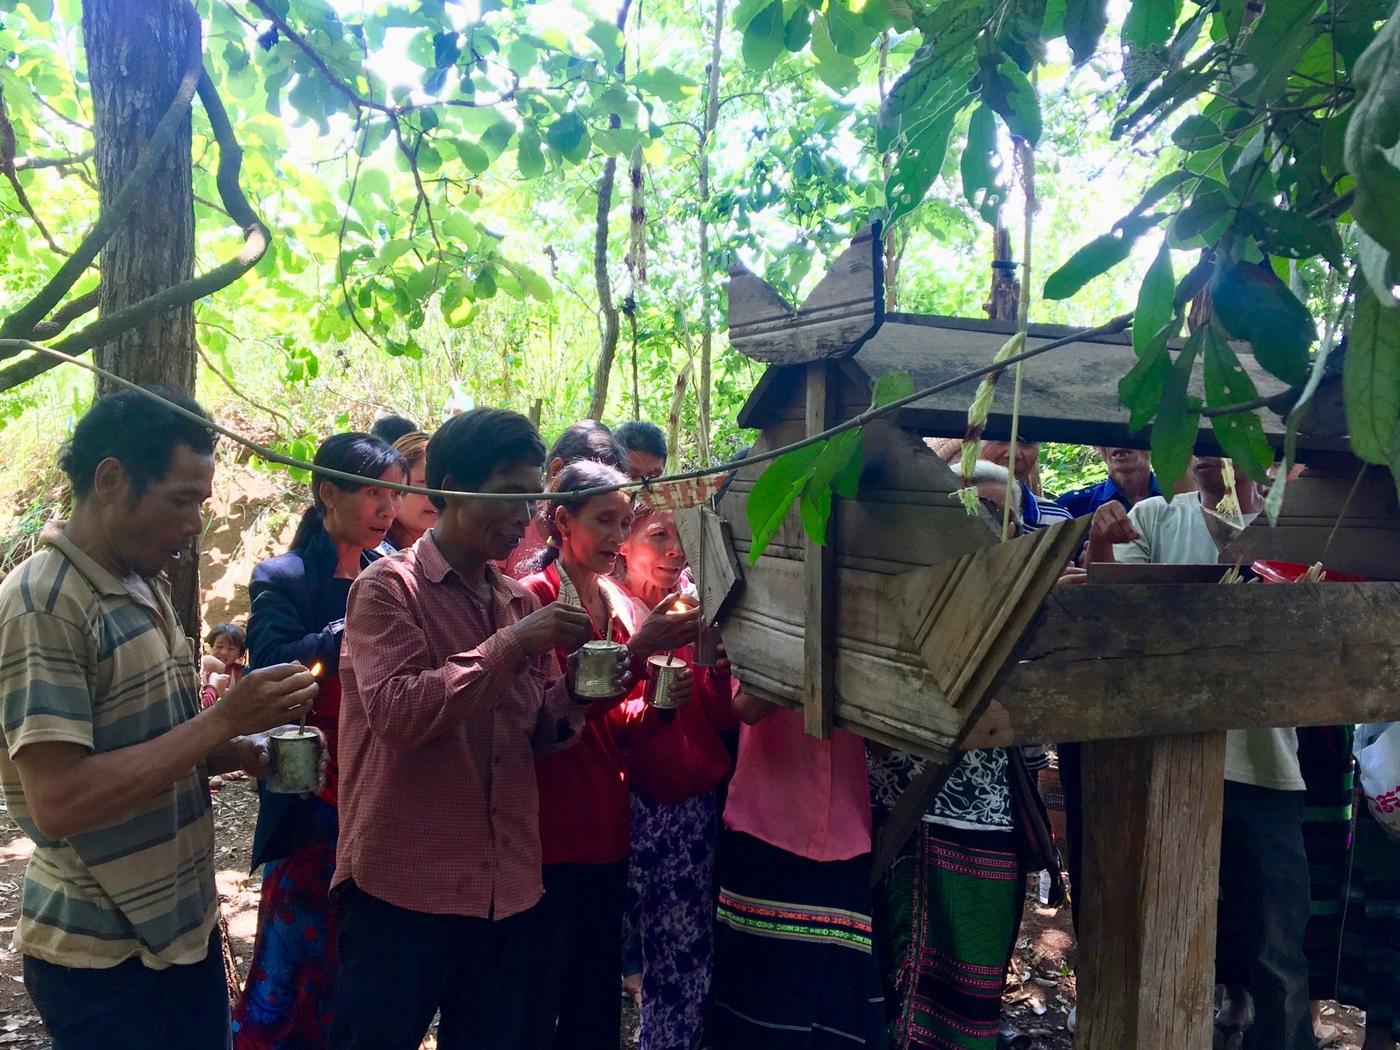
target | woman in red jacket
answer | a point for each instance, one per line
(675, 816)
(584, 833)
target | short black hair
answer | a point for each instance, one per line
(137, 431)
(470, 446)
(588, 439)
(389, 429)
(638, 435)
(232, 632)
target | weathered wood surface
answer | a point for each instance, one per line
(840, 314)
(717, 570)
(1152, 813)
(1069, 394)
(1155, 659)
(1340, 516)
(819, 641)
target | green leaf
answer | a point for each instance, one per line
(1378, 267)
(1241, 435)
(1277, 39)
(1097, 257)
(1085, 21)
(569, 136)
(1140, 391)
(798, 30)
(851, 34)
(1371, 137)
(528, 155)
(1154, 301)
(981, 165)
(763, 37)
(772, 494)
(1254, 305)
(473, 157)
(392, 250)
(1006, 89)
(1293, 235)
(835, 461)
(376, 183)
(1150, 22)
(836, 71)
(535, 284)
(1371, 381)
(609, 40)
(664, 83)
(918, 165)
(1196, 133)
(814, 508)
(1210, 204)
(1178, 418)
(891, 387)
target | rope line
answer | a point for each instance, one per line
(1116, 325)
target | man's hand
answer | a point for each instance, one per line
(666, 627)
(267, 698)
(1112, 525)
(1073, 576)
(251, 754)
(556, 626)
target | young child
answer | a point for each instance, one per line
(223, 665)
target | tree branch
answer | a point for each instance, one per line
(66, 315)
(35, 163)
(23, 320)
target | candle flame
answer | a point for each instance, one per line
(315, 669)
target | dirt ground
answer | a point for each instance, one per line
(1040, 990)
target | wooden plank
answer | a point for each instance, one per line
(1152, 813)
(1343, 515)
(843, 311)
(709, 549)
(1069, 394)
(819, 640)
(1159, 658)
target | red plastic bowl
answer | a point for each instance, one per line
(1292, 571)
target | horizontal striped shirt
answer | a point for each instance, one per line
(91, 659)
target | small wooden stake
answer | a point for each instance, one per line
(819, 642)
(1152, 812)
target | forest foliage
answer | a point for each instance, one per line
(433, 172)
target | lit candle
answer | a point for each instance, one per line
(315, 669)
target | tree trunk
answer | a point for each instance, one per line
(135, 51)
(707, 324)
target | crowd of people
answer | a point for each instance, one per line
(497, 847)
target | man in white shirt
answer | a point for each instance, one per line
(1263, 866)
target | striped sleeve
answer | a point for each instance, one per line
(45, 694)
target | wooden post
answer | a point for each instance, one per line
(1152, 812)
(819, 641)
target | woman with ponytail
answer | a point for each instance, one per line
(583, 791)
(298, 614)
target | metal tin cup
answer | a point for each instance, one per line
(707, 646)
(597, 666)
(294, 760)
(663, 678)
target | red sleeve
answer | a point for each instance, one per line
(717, 696)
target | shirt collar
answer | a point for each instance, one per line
(103, 580)
(434, 566)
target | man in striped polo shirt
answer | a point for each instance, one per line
(106, 751)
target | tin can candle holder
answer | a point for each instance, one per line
(294, 761)
(663, 679)
(597, 665)
(707, 646)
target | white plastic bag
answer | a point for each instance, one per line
(1378, 759)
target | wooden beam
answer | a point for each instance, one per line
(1131, 660)
(819, 643)
(1152, 813)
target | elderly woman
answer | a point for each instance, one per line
(675, 816)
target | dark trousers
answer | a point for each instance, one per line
(399, 967)
(575, 992)
(132, 1007)
(1264, 913)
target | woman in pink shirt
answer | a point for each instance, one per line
(794, 967)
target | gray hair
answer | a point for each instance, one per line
(985, 470)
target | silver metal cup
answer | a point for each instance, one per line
(294, 758)
(663, 678)
(597, 666)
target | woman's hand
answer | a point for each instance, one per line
(621, 677)
(670, 625)
(682, 689)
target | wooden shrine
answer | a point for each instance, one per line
(914, 626)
